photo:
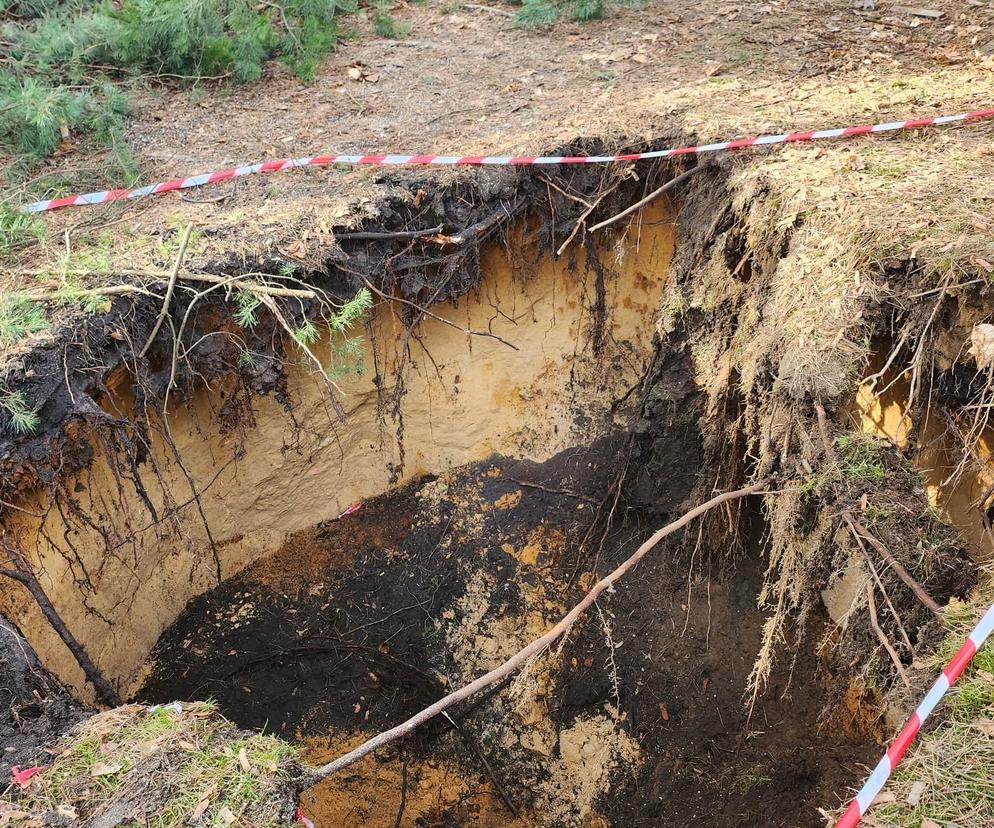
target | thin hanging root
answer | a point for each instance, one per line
(164, 311)
(872, 606)
(524, 655)
(278, 314)
(468, 331)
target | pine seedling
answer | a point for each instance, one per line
(351, 312)
(247, 303)
(307, 333)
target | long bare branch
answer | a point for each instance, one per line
(520, 658)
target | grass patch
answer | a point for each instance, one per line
(172, 766)
(21, 419)
(19, 316)
(17, 229)
(862, 457)
(386, 25)
(952, 765)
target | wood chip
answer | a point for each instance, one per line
(930, 14)
(243, 761)
(664, 714)
(104, 768)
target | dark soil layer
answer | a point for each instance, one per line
(34, 710)
(690, 645)
(336, 632)
(345, 613)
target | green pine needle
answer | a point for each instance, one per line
(351, 312)
(19, 316)
(22, 419)
(247, 303)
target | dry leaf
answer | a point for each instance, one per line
(297, 250)
(104, 768)
(915, 794)
(985, 726)
(67, 811)
(713, 67)
(927, 823)
(225, 815)
(355, 73)
(203, 803)
(640, 57)
(243, 761)
(664, 714)
(982, 345)
(886, 796)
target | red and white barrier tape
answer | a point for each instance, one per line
(489, 160)
(859, 806)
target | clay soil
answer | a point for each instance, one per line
(355, 625)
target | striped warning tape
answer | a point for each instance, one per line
(885, 767)
(490, 160)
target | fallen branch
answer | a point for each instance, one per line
(669, 185)
(894, 564)
(520, 658)
(169, 290)
(236, 282)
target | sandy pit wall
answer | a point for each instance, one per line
(118, 578)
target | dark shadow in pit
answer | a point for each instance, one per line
(345, 630)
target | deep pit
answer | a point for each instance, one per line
(489, 499)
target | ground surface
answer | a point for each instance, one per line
(470, 82)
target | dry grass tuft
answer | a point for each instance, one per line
(167, 766)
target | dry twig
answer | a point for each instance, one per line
(669, 185)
